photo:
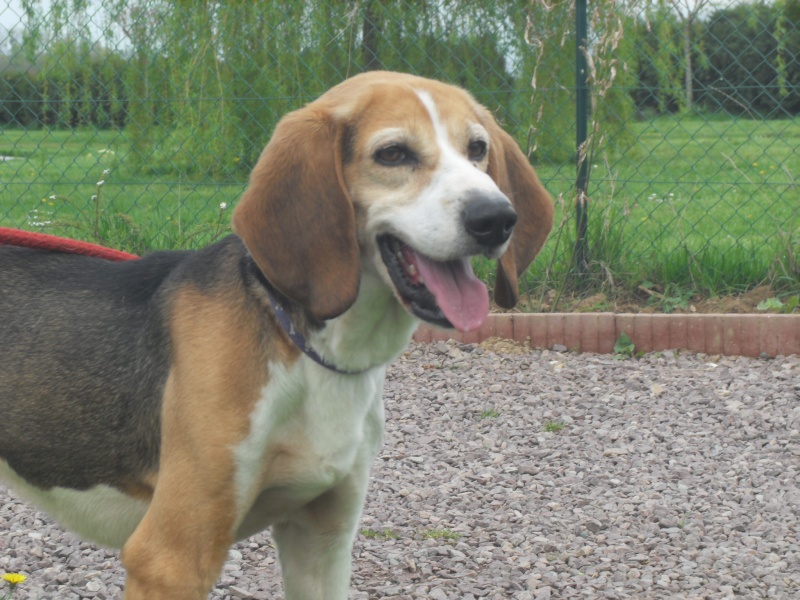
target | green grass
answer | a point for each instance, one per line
(706, 206)
(490, 413)
(57, 176)
(373, 534)
(553, 426)
(692, 206)
(429, 534)
(441, 534)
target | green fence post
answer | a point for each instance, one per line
(581, 119)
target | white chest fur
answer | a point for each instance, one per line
(309, 429)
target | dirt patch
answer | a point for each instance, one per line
(502, 346)
(645, 301)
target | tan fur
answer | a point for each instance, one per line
(365, 179)
(141, 488)
(509, 167)
(218, 371)
(305, 247)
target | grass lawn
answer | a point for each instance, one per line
(710, 205)
(52, 184)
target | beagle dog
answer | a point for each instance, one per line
(174, 404)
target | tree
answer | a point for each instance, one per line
(787, 34)
(668, 31)
(742, 73)
(370, 32)
(688, 12)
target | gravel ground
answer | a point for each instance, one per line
(674, 476)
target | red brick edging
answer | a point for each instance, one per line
(731, 334)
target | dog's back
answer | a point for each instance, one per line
(80, 332)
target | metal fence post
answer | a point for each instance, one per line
(581, 120)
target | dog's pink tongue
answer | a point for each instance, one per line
(463, 298)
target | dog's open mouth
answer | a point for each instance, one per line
(443, 293)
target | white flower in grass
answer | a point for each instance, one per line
(223, 205)
(101, 182)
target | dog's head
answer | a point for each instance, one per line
(409, 175)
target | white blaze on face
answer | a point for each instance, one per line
(455, 175)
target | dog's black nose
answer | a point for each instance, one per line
(489, 219)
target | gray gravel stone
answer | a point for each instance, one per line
(674, 476)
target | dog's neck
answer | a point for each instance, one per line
(284, 319)
(371, 333)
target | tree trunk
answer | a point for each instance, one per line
(370, 35)
(687, 59)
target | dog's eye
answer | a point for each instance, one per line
(393, 155)
(476, 150)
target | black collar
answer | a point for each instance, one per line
(285, 321)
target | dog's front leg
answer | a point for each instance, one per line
(166, 566)
(177, 551)
(179, 548)
(315, 545)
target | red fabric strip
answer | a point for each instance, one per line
(44, 241)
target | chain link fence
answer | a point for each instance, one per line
(135, 123)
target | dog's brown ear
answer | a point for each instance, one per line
(296, 217)
(515, 177)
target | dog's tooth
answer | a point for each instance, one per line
(411, 269)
